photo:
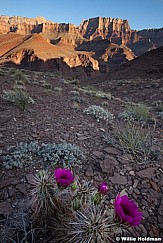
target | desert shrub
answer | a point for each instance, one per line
(138, 112)
(21, 155)
(103, 95)
(105, 104)
(78, 99)
(24, 154)
(18, 97)
(57, 90)
(61, 154)
(96, 93)
(76, 106)
(74, 92)
(160, 115)
(19, 76)
(74, 81)
(99, 113)
(46, 85)
(159, 107)
(137, 141)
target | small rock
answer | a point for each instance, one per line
(22, 189)
(143, 230)
(8, 182)
(98, 154)
(160, 219)
(12, 192)
(144, 203)
(118, 179)
(132, 173)
(112, 150)
(5, 208)
(124, 192)
(160, 210)
(155, 230)
(146, 173)
(30, 179)
(155, 186)
(82, 138)
(160, 226)
(136, 191)
(145, 214)
(89, 172)
(135, 183)
(108, 165)
(2, 129)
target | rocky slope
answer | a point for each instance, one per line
(37, 53)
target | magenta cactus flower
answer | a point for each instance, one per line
(64, 177)
(127, 211)
(103, 188)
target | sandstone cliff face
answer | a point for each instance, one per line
(20, 25)
(117, 31)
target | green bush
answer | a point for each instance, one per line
(18, 97)
(138, 112)
(19, 76)
(137, 141)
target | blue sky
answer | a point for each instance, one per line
(141, 14)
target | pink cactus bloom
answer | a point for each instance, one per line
(103, 188)
(127, 211)
(64, 177)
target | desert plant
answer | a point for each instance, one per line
(76, 106)
(103, 95)
(92, 221)
(24, 154)
(65, 155)
(160, 115)
(21, 155)
(105, 104)
(94, 92)
(83, 194)
(159, 107)
(99, 113)
(19, 76)
(43, 196)
(46, 85)
(74, 81)
(74, 92)
(136, 140)
(138, 112)
(78, 99)
(57, 90)
(95, 224)
(18, 97)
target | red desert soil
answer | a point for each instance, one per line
(55, 118)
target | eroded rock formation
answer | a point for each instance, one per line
(97, 43)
